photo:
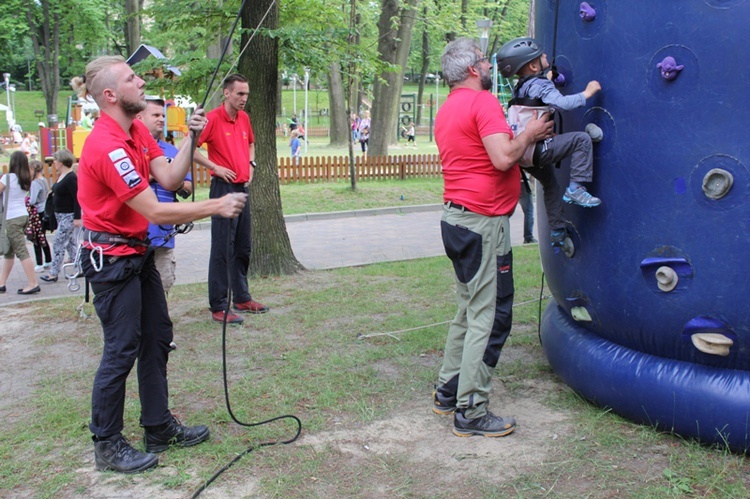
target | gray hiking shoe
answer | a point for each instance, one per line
(488, 425)
(581, 197)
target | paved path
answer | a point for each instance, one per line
(320, 241)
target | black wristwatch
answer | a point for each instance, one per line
(253, 164)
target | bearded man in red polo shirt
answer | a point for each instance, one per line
(479, 154)
(231, 159)
(117, 204)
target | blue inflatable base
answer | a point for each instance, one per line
(691, 400)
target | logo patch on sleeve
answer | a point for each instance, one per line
(125, 168)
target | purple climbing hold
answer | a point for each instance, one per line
(559, 80)
(669, 68)
(587, 12)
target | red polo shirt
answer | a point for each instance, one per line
(464, 119)
(229, 141)
(114, 168)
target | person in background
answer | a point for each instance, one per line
(33, 147)
(296, 146)
(526, 202)
(34, 230)
(15, 184)
(355, 127)
(411, 134)
(162, 236)
(67, 212)
(479, 154)
(26, 144)
(231, 159)
(364, 133)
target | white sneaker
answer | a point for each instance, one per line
(47, 265)
(39, 268)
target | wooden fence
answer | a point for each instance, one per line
(329, 169)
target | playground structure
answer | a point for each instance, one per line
(73, 135)
(649, 316)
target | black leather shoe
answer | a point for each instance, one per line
(33, 290)
(115, 453)
(2, 289)
(174, 433)
(48, 278)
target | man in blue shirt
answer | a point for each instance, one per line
(162, 236)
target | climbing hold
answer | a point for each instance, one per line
(587, 12)
(594, 132)
(559, 80)
(580, 314)
(712, 343)
(669, 68)
(717, 183)
(569, 249)
(709, 335)
(666, 278)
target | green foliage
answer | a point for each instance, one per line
(678, 485)
(310, 34)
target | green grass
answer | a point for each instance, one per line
(311, 360)
(26, 103)
(327, 197)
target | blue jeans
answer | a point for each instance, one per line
(527, 206)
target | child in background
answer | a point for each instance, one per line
(296, 146)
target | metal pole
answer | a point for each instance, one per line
(432, 114)
(307, 108)
(294, 92)
(8, 113)
(484, 25)
(437, 91)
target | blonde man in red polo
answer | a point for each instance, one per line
(117, 204)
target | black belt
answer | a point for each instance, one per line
(107, 238)
(240, 185)
(451, 204)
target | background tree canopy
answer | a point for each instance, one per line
(311, 34)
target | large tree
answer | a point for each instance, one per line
(133, 24)
(395, 30)
(56, 36)
(271, 249)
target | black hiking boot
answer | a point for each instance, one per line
(158, 439)
(115, 453)
(488, 425)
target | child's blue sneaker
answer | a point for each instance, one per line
(581, 197)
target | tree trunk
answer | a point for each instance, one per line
(45, 38)
(132, 25)
(532, 17)
(340, 131)
(393, 47)
(271, 249)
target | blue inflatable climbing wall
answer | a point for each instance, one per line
(651, 309)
